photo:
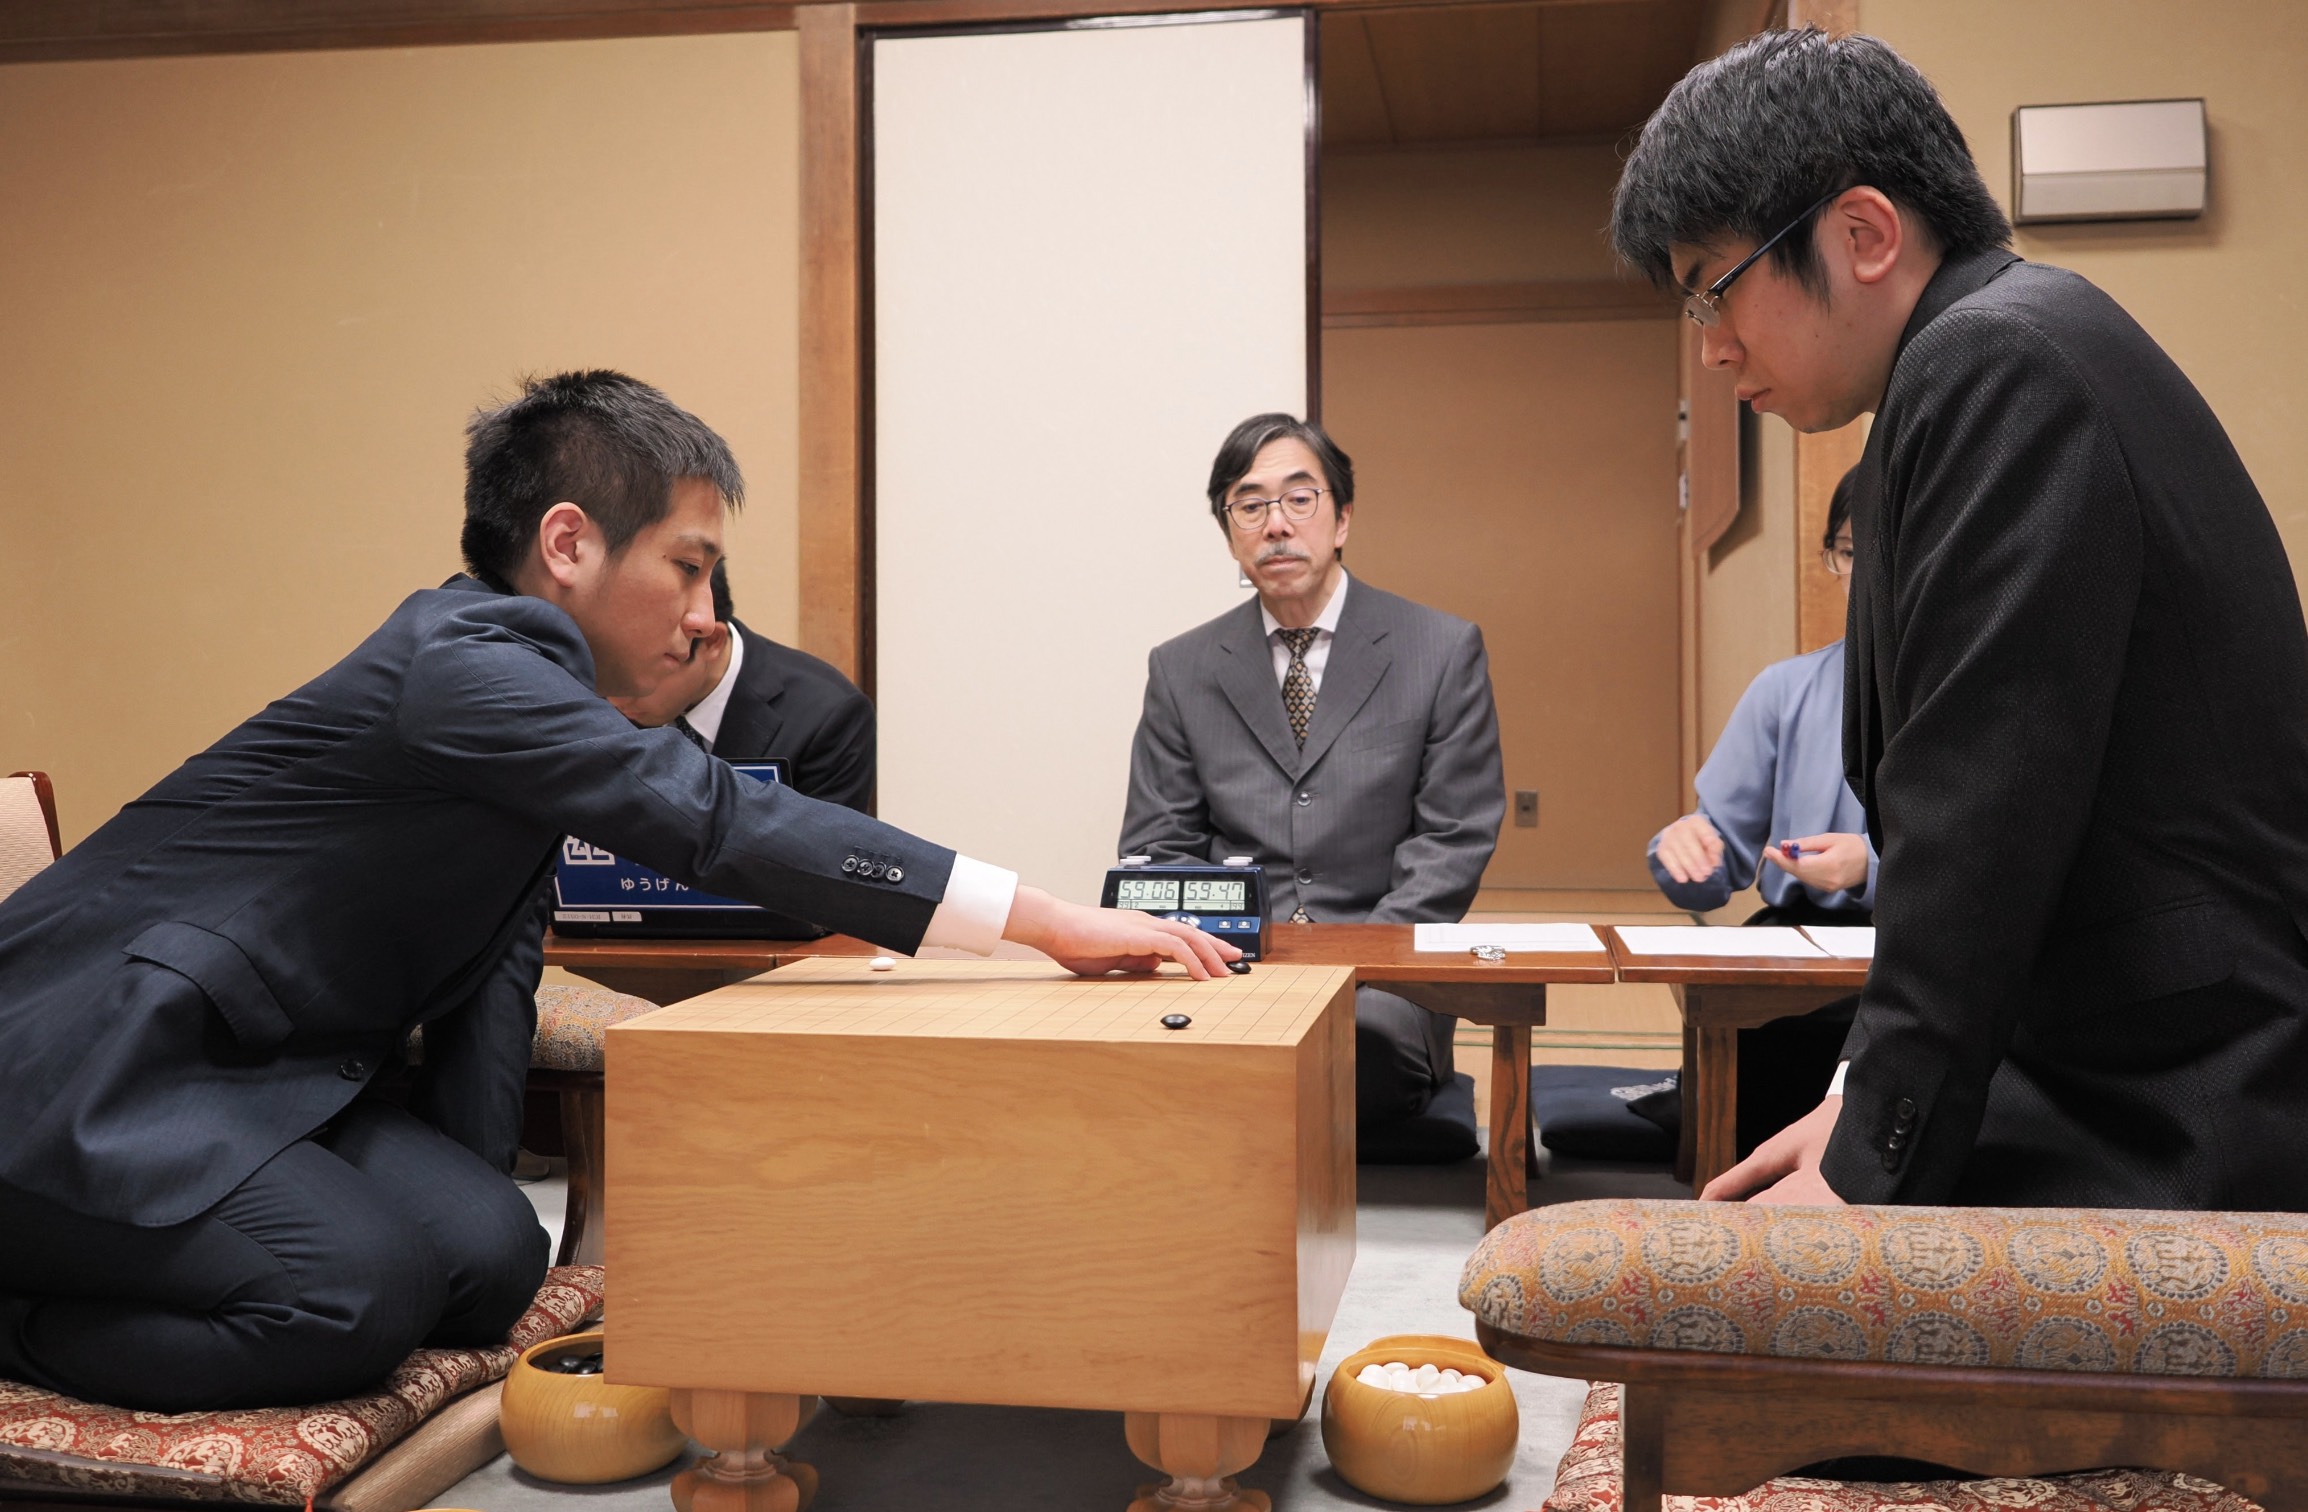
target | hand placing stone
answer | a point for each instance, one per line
(1424, 1380)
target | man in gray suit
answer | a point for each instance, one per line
(1344, 737)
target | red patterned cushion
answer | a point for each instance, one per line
(571, 1021)
(275, 1454)
(1588, 1480)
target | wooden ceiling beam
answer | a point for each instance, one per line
(36, 31)
(33, 31)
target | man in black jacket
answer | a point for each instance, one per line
(203, 1203)
(2077, 703)
(745, 697)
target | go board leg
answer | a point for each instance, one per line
(1201, 1454)
(744, 1473)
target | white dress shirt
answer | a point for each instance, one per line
(705, 718)
(1325, 631)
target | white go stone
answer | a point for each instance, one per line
(1423, 1380)
(882, 963)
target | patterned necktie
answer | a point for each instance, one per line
(693, 735)
(1298, 683)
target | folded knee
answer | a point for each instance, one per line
(495, 1258)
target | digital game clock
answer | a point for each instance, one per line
(1228, 901)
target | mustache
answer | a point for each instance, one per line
(1282, 554)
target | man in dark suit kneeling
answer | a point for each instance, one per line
(203, 1202)
(2077, 707)
(1343, 737)
(746, 697)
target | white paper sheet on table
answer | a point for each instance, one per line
(1694, 939)
(1506, 936)
(1849, 942)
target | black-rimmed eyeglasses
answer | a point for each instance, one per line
(1706, 306)
(1297, 506)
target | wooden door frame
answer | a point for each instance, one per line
(836, 414)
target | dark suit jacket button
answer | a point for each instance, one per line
(1898, 1138)
(1306, 876)
(1304, 799)
(354, 1070)
(849, 865)
(1891, 1160)
(1906, 1110)
(897, 874)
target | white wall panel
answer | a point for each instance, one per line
(1089, 262)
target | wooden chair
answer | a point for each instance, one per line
(1752, 1341)
(28, 834)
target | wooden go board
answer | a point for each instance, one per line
(985, 1181)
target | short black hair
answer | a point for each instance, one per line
(723, 608)
(1745, 141)
(609, 444)
(1255, 434)
(1838, 510)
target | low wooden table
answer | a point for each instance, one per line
(1718, 996)
(1509, 996)
(982, 1181)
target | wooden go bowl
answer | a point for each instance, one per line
(1427, 1451)
(578, 1430)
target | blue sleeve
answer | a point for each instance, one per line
(1735, 796)
(493, 708)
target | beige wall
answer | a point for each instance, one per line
(1521, 476)
(251, 300)
(2222, 294)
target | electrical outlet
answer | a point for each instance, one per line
(1526, 808)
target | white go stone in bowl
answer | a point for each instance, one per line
(1424, 1380)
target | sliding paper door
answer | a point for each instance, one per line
(1089, 259)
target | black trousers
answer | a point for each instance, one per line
(1402, 1055)
(309, 1282)
(1785, 1065)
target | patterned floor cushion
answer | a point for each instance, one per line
(2205, 1294)
(1588, 1480)
(281, 1455)
(571, 1022)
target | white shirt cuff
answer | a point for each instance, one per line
(975, 908)
(1835, 1087)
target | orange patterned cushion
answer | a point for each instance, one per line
(1588, 1480)
(571, 1021)
(2206, 1294)
(275, 1454)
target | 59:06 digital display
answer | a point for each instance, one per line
(1191, 894)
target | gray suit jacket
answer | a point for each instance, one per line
(1392, 810)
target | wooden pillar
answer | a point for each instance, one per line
(1820, 460)
(836, 611)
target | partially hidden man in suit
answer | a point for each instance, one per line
(203, 1201)
(743, 696)
(1343, 737)
(2077, 707)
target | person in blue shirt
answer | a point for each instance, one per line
(1774, 810)
(1775, 813)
